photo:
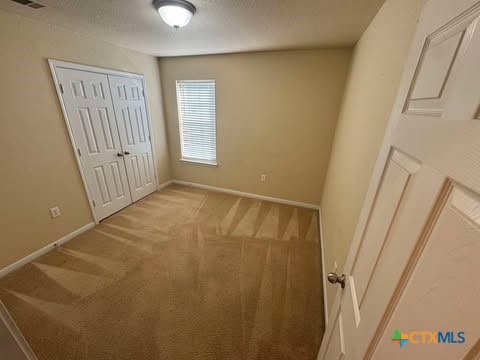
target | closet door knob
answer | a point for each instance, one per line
(119, 154)
(126, 153)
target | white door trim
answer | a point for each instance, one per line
(53, 64)
(95, 69)
(16, 333)
(324, 273)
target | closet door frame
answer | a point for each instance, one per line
(54, 64)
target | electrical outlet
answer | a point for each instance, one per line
(55, 212)
(263, 178)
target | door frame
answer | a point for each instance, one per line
(54, 64)
(408, 73)
(8, 322)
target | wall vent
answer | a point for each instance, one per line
(32, 4)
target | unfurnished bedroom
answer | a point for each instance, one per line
(239, 179)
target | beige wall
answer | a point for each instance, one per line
(38, 169)
(276, 113)
(375, 73)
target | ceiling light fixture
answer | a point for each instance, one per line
(176, 13)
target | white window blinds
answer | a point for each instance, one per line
(196, 112)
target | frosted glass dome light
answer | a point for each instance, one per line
(176, 13)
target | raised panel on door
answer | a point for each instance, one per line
(92, 120)
(422, 193)
(446, 136)
(443, 82)
(398, 172)
(441, 292)
(134, 131)
(394, 213)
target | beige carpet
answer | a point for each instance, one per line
(183, 274)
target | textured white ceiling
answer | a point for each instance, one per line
(219, 26)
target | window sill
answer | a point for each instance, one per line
(200, 162)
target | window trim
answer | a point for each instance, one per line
(198, 162)
(179, 121)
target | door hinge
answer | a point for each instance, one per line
(61, 88)
(149, 138)
(143, 92)
(79, 152)
(93, 202)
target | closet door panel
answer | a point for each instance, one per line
(129, 104)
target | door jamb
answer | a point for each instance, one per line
(53, 64)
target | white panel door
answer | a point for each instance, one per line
(133, 125)
(412, 289)
(91, 117)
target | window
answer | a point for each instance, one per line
(196, 116)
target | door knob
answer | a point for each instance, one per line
(126, 153)
(335, 279)
(119, 154)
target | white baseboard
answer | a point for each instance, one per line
(324, 274)
(163, 185)
(45, 249)
(245, 194)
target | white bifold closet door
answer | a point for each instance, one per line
(131, 114)
(90, 113)
(108, 121)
